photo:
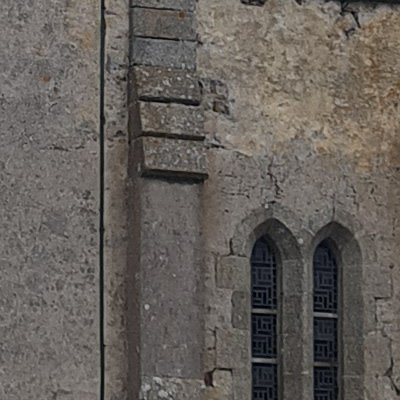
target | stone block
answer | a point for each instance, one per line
(292, 319)
(242, 383)
(222, 386)
(170, 252)
(241, 306)
(167, 24)
(156, 388)
(166, 4)
(293, 277)
(353, 388)
(173, 158)
(162, 52)
(174, 120)
(167, 85)
(233, 273)
(233, 348)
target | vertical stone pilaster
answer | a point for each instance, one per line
(167, 165)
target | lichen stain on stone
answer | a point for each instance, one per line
(296, 74)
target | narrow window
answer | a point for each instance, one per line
(264, 322)
(325, 323)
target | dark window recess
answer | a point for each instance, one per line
(325, 383)
(325, 340)
(265, 382)
(325, 280)
(264, 335)
(325, 323)
(263, 275)
(264, 319)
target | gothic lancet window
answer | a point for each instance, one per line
(326, 323)
(264, 321)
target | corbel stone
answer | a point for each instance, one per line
(163, 24)
(167, 85)
(164, 52)
(174, 120)
(165, 157)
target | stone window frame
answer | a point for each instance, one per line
(351, 308)
(296, 239)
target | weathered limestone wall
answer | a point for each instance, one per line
(116, 191)
(49, 85)
(301, 120)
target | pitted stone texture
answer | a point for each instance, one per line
(222, 386)
(155, 388)
(117, 372)
(339, 102)
(165, 24)
(241, 306)
(49, 200)
(172, 337)
(166, 4)
(233, 348)
(165, 53)
(167, 85)
(174, 120)
(173, 157)
(233, 273)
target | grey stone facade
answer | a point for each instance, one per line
(223, 121)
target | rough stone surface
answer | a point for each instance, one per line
(164, 53)
(167, 85)
(300, 101)
(172, 157)
(227, 340)
(116, 199)
(174, 120)
(171, 320)
(156, 388)
(229, 269)
(165, 24)
(307, 122)
(49, 200)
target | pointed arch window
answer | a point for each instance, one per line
(264, 321)
(326, 322)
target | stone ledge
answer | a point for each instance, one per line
(166, 24)
(167, 85)
(173, 120)
(166, 4)
(179, 54)
(172, 158)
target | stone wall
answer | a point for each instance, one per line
(229, 120)
(308, 124)
(49, 123)
(298, 115)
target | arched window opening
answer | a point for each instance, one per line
(326, 322)
(264, 321)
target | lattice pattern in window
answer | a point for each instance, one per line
(325, 323)
(264, 322)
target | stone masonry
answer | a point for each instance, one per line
(289, 112)
(223, 121)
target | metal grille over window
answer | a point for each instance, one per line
(264, 322)
(325, 324)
